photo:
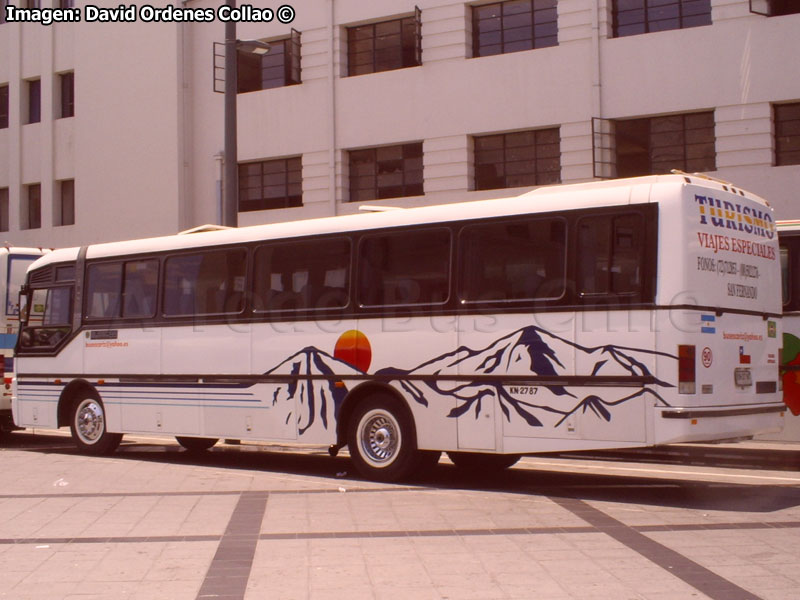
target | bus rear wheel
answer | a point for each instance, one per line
(193, 444)
(381, 439)
(88, 425)
(478, 462)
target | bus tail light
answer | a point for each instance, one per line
(686, 369)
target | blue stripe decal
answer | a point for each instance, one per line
(708, 330)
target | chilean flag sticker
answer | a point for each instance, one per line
(744, 359)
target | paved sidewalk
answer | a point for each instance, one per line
(252, 522)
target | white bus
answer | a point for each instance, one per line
(14, 262)
(602, 315)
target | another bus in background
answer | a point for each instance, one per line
(14, 262)
(789, 236)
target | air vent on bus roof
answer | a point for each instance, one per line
(40, 276)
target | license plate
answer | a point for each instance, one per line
(742, 377)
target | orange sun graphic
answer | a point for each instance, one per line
(353, 348)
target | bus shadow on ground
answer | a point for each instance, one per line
(661, 491)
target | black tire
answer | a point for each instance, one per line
(381, 439)
(483, 463)
(87, 422)
(193, 444)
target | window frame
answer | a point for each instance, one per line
(252, 291)
(288, 200)
(463, 258)
(396, 233)
(482, 183)
(5, 103)
(779, 124)
(290, 65)
(683, 147)
(122, 263)
(66, 86)
(537, 42)
(647, 23)
(409, 186)
(409, 57)
(162, 289)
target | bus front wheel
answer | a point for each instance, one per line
(88, 426)
(381, 439)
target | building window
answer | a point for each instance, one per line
(277, 68)
(787, 133)
(513, 26)
(518, 159)
(632, 17)
(385, 46)
(3, 106)
(32, 207)
(386, 172)
(270, 184)
(774, 8)
(659, 144)
(4, 222)
(33, 88)
(67, 87)
(66, 3)
(65, 207)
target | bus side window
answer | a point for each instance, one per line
(302, 275)
(205, 284)
(610, 255)
(513, 261)
(404, 268)
(104, 286)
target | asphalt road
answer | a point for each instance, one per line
(265, 521)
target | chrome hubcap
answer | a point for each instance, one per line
(380, 438)
(89, 421)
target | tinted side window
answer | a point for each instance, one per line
(610, 254)
(205, 284)
(404, 268)
(302, 275)
(140, 284)
(122, 289)
(513, 260)
(104, 287)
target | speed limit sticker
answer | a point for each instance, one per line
(707, 357)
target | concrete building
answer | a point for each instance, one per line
(113, 130)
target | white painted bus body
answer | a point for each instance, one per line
(511, 382)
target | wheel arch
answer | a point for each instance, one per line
(360, 394)
(74, 390)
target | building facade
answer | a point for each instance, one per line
(113, 130)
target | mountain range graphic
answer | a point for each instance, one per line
(320, 381)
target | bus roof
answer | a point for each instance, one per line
(613, 192)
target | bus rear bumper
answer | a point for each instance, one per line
(676, 425)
